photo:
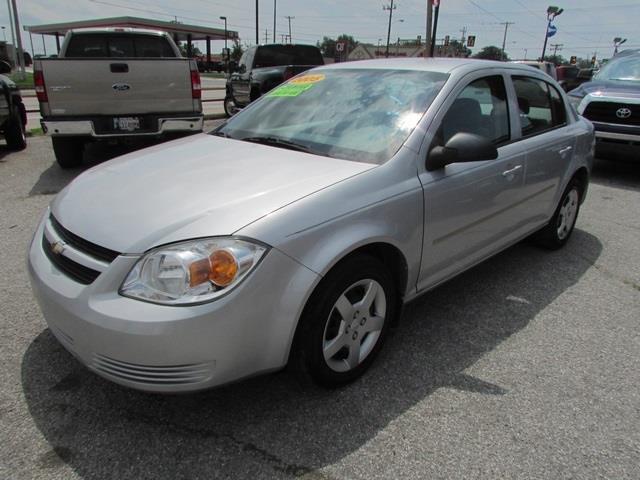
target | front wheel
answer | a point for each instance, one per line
(230, 107)
(345, 322)
(557, 232)
(14, 131)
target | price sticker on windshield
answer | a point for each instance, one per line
(308, 79)
(290, 90)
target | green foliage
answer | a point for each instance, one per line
(236, 52)
(491, 52)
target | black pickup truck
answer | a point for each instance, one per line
(612, 103)
(264, 67)
(13, 116)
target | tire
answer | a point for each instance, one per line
(230, 108)
(68, 151)
(558, 231)
(331, 351)
(14, 131)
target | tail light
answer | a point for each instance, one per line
(41, 91)
(196, 87)
(288, 73)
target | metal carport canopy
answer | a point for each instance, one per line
(180, 30)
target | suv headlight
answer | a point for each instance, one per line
(192, 272)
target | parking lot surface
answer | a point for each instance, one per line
(524, 367)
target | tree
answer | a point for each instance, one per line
(459, 48)
(328, 45)
(195, 51)
(491, 52)
(236, 51)
(556, 60)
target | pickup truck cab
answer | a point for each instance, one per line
(264, 67)
(114, 83)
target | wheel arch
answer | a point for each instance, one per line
(582, 176)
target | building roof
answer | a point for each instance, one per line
(181, 30)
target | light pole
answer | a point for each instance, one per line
(290, 18)
(391, 8)
(4, 33)
(552, 13)
(257, 26)
(226, 50)
(274, 20)
(525, 53)
(616, 43)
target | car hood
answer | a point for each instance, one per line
(608, 88)
(194, 187)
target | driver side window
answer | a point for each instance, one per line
(481, 109)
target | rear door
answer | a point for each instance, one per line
(241, 80)
(115, 74)
(547, 137)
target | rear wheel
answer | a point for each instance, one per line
(230, 107)
(345, 322)
(560, 227)
(14, 131)
(68, 151)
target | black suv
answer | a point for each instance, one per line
(612, 102)
(264, 67)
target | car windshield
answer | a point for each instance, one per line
(354, 114)
(621, 68)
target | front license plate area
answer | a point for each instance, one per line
(127, 124)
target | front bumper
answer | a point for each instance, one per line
(86, 127)
(173, 349)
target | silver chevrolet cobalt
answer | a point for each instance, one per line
(294, 233)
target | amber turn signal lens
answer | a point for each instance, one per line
(224, 268)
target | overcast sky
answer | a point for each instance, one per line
(584, 27)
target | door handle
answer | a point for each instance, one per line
(512, 171)
(564, 150)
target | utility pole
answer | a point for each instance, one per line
(20, 52)
(290, 18)
(13, 36)
(436, 3)
(464, 35)
(556, 47)
(525, 53)
(257, 26)
(391, 8)
(504, 40)
(274, 20)
(427, 38)
(266, 35)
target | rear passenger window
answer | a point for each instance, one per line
(481, 109)
(541, 106)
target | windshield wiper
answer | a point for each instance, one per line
(277, 142)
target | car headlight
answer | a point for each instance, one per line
(192, 272)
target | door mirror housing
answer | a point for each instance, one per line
(462, 147)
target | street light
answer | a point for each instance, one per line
(4, 33)
(616, 43)
(226, 50)
(552, 13)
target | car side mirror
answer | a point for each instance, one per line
(242, 69)
(4, 67)
(462, 147)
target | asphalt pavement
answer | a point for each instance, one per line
(524, 367)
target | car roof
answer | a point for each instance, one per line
(442, 65)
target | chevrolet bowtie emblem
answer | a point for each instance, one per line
(57, 247)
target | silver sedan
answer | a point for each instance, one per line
(294, 233)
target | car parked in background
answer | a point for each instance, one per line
(13, 115)
(294, 233)
(547, 67)
(263, 68)
(611, 101)
(571, 76)
(115, 84)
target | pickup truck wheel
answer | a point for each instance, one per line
(68, 151)
(14, 131)
(230, 108)
(345, 322)
(557, 232)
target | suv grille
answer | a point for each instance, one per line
(77, 271)
(606, 112)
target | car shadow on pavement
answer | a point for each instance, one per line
(272, 426)
(617, 172)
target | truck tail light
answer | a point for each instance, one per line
(196, 87)
(41, 90)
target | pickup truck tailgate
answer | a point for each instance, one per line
(117, 86)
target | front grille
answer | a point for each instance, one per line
(606, 112)
(151, 374)
(82, 245)
(79, 273)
